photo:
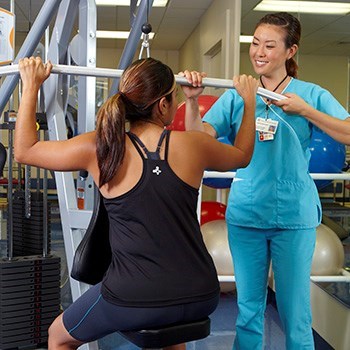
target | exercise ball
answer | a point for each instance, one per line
(327, 156)
(339, 230)
(204, 101)
(219, 182)
(211, 211)
(328, 257)
(216, 240)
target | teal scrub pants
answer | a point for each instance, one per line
(291, 254)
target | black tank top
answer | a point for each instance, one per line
(158, 254)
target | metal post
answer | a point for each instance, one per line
(10, 196)
(55, 92)
(74, 221)
(87, 85)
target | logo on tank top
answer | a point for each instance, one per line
(156, 170)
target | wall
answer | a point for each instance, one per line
(217, 27)
(109, 58)
(330, 72)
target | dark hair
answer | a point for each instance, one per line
(141, 85)
(292, 29)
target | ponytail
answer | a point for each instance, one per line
(141, 86)
(292, 67)
(110, 137)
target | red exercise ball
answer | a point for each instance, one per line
(204, 101)
(211, 211)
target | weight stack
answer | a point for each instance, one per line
(28, 232)
(29, 300)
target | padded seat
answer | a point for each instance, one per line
(158, 338)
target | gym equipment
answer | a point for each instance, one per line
(211, 211)
(33, 38)
(215, 182)
(29, 300)
(176, 334)
(340, 231)
(328, 257)
(74, 221)
(327, 156)
(29, 276)
(81, 185)
(30, 288)
(28, 232)
(117, 73)
(204, 102)
(215, 238)
(146, 29)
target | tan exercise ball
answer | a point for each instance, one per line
(328, 257)
(216, 240)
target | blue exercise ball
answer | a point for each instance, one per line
(219, 182)
(327, 156)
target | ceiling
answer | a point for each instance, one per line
(322, 34)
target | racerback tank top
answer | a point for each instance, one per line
(158, 253)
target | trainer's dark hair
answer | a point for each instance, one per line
(292, 29)
(141, 85)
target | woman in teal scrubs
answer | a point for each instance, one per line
(273, 206)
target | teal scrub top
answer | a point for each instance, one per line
(275, 190)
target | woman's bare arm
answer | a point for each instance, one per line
(73, 154)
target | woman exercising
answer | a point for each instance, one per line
(161, 272)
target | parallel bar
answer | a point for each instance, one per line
(116, 73)
(336, 278)
(315, 176)
(227, 84)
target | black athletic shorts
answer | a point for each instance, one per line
(91, 317)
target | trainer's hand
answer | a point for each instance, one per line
(293, 104)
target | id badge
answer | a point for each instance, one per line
(266, 125)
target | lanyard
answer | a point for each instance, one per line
(279, 84)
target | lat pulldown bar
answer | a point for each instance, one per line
(116, 73)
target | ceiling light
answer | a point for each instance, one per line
(316, 7)
(109, 34)
(246, 39)
(156, 3)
